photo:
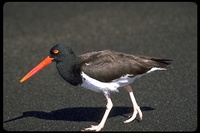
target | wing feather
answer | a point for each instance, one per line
(108, 65)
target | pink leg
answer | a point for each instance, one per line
(136, 108)
(102, 123)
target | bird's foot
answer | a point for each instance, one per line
(135, 112)
(93, 128)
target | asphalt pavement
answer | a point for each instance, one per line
(46, 102)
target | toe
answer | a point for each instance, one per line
(93, 128)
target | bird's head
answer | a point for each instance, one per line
(58, 53)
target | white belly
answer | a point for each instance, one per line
(106, 88)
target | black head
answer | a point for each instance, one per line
(60, 52)
(65, 58)
(66, 63)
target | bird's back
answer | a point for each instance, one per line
(108, 65)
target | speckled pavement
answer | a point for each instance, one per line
(46, 102)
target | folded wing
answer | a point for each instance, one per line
(108, 65)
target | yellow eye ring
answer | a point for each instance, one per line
(56, 51)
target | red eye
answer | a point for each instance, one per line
(56, 51)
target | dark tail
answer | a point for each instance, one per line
(165, 63)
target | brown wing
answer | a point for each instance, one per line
(108, 65)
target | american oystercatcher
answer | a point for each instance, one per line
(101, 71)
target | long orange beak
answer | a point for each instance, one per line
(45, 62)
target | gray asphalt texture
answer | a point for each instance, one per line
(46, 102)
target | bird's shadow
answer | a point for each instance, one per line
(78, 113)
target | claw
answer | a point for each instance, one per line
(93, 128)
(136, 111)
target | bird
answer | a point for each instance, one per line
(102, 71)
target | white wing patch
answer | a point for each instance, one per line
(156, 68)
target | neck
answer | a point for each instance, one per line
(69, 72)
